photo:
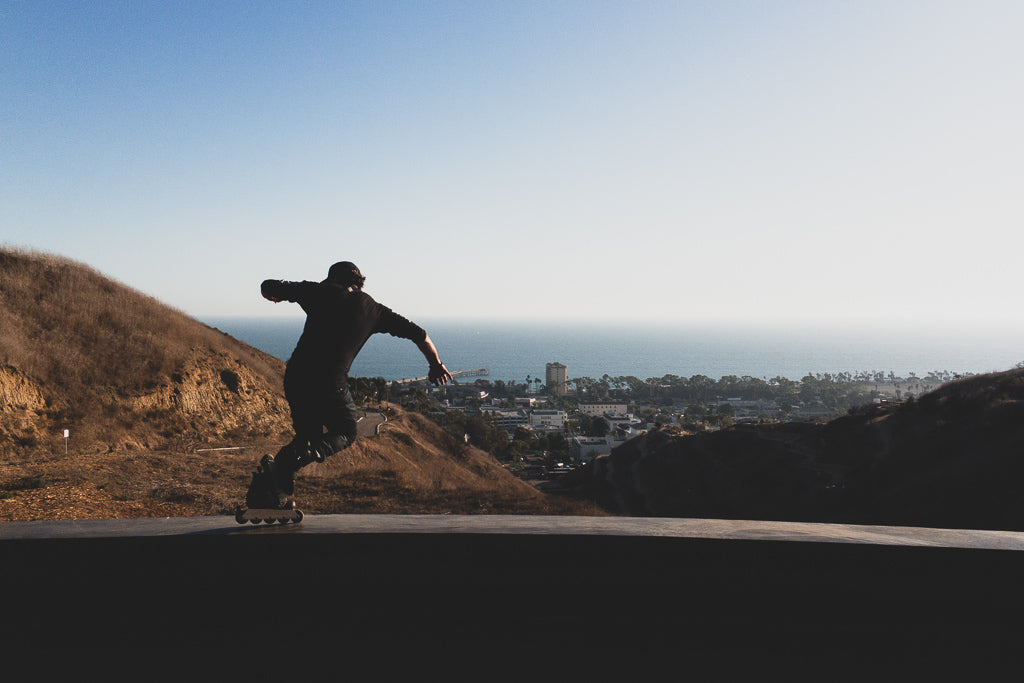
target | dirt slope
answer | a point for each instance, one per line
(413, 466)
(118, 369)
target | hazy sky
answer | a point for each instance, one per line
(672, 161)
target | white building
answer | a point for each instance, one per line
(589, 447)
(625, 425)
(613, 409)
(550, 420)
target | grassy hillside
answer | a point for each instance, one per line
(119, 369)
(150, 396)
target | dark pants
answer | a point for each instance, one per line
(319, 402)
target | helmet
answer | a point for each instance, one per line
(345, 273)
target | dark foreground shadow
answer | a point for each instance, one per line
(593, 600)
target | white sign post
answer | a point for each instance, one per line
(67, 433)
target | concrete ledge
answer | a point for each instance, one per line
(609, 585)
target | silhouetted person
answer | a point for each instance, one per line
(340, 317)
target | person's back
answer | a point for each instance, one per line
(339, 321)
(340, 317)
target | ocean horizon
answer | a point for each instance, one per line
(515, 351)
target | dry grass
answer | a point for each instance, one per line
(56, 315)
(412, 467)
(69, 326)
(82, 348)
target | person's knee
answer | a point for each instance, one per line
(332, 443)
(339, 442)
(326, 446)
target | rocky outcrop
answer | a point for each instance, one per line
(22, 403)
(214, 396)
(18, 392)
(215, 391)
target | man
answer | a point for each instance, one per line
(340, 317)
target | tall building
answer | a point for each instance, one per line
(555, 378)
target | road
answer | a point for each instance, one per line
(367, 425)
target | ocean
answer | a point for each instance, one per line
(516, 351)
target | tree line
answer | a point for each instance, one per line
(834, 390)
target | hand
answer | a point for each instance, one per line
(439, 375)
(267, 288)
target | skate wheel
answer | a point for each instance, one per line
(298, 516)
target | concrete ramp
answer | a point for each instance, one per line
(602, 586)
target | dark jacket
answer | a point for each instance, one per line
(339, 320)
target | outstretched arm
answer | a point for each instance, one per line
(284, 290)
(438, 374)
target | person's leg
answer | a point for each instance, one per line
(274, 480)
(312, 411)
(337, 412)
(341, 420)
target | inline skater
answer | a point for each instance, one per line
(340, 317)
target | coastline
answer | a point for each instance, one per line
(513, 351)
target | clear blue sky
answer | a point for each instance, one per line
(837, 162)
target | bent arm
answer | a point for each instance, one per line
(438, 374)
(281, 290)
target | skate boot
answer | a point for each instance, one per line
(296, 455)
(265, 501)
(264, 491)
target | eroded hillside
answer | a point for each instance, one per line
(117, 369)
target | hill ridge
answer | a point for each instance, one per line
(118, 368)
(950, 458)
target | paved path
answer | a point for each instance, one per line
(367, 425)
(524, 524)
